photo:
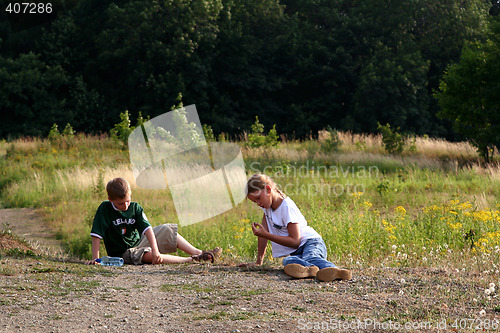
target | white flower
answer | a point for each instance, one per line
(394, 247)
(487, 291)
(403, 281)
(401, 292)
(424, 259)
(474, 300)
(492, 285)
(492, 290)
(482, 313)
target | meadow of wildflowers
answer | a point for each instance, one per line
(371, 208)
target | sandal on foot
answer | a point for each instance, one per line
(300, 272)
(207, 255)
(333, 273)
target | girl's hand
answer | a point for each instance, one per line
(91, 262)
(258, 230)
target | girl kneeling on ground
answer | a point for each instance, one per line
(285, 226)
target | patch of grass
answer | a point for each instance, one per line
(55, 317)
(361, 200)
(243, 315)
(254, 292)
(185, 287)
(299, 309)
(119, 288)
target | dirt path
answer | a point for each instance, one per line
(28, 224)
(40, 294)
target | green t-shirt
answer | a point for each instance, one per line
(120, 230)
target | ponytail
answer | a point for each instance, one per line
(259, 181)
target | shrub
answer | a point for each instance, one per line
(54, 133)
(393, 141)
(122, 130)
(208, 132)
(68, 131)
(332, 143)
(258, 139)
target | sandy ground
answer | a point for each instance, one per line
(43, 294)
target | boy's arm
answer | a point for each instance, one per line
(150, 235)
(96, 243)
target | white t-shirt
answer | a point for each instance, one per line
(277, 221)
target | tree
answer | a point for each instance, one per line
(469, 93)
(441, 28)
(30, 96)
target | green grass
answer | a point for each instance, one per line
(370, 207)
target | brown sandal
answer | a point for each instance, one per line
(211, 255)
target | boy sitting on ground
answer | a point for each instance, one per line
(127, 233)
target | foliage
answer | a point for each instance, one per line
(362, 191)
(122, 130)
(393, 141)
(208, 133)
(332, 143)
(187, 134)
(68, 131)
(298, 64)
(54, 133)
(469, 93)
(258, 139)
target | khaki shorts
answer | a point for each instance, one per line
(166, 238)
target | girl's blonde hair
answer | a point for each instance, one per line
(118, 188)
(258, 181)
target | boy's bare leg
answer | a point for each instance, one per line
(184, 245)
(147, 258)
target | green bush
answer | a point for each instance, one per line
(122, 130)
(258, 139)
(333, 143)
(208, 132)
(393, 141)
(54, 133)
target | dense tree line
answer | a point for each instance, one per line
(300, 64)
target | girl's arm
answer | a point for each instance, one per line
(261, 247)
(292, 240)
(261, 244)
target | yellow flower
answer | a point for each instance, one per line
(366, 205)
(356, 195)
(400, 210)
(455, 226)
(464, 206)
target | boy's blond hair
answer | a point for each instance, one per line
(118, 188)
